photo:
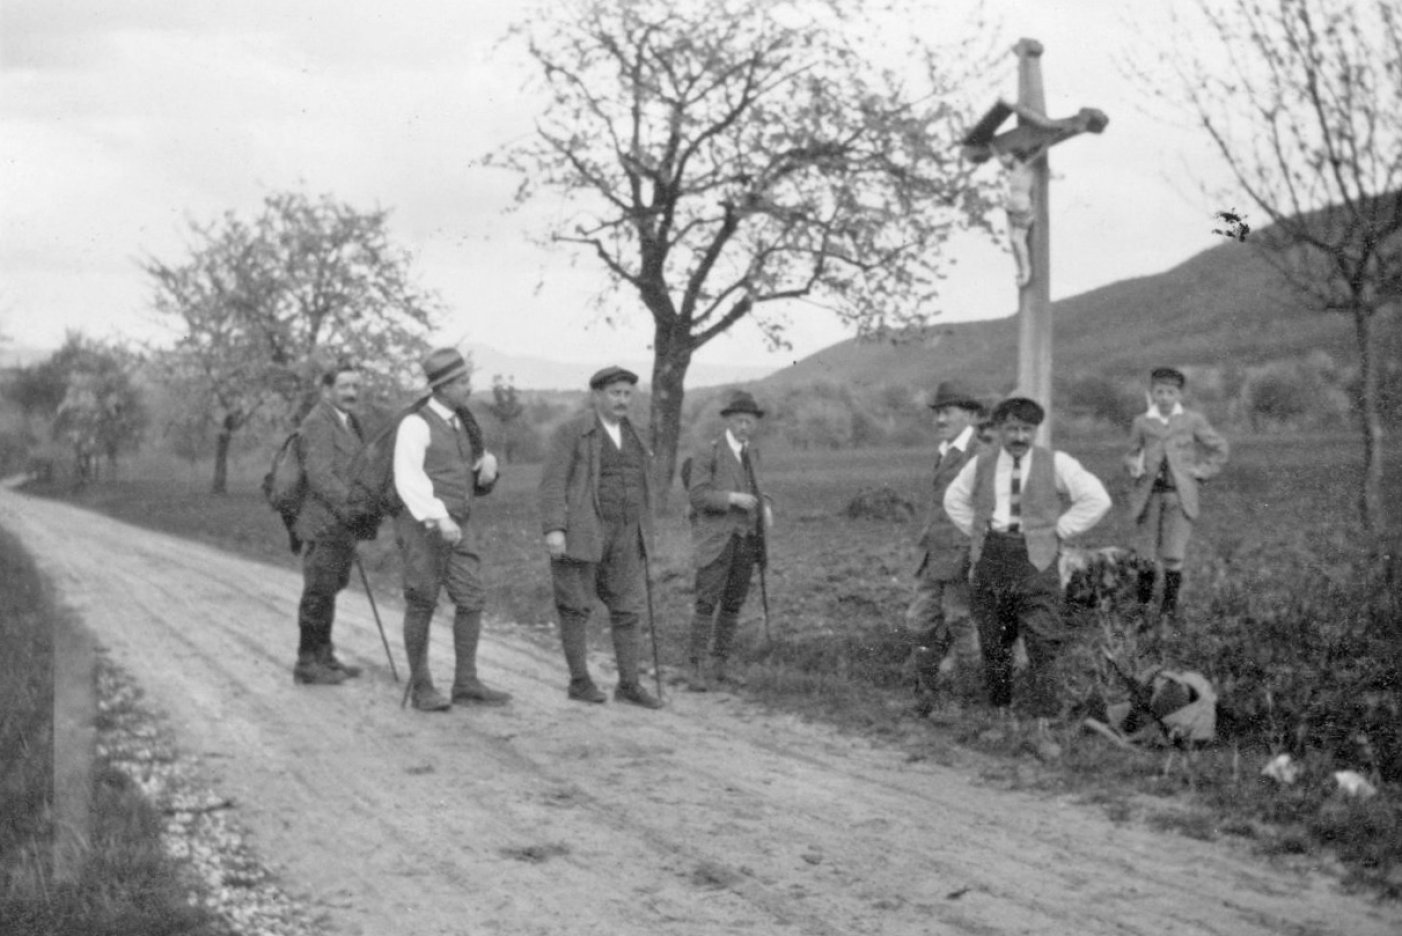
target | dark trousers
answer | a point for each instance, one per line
(326, 565)
(724, 583)
(1011, 598)
(616, 580)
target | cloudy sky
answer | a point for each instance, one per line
(122, 120)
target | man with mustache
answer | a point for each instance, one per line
(328, 438)
(596, 514)
(1009, 502)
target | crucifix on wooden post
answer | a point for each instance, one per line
(1022, 151)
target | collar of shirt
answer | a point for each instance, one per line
(1005, 461)
(443, 411)
(734, 444)
(342, 415)
(961, 442)
(1155, 414)
(614, 430)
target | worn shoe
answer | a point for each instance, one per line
(310, 671)
(480, 694)
(637, 695)
(328, 659)
(430, 700)
(698, 678)
(584, 690)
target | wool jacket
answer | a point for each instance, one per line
(327, 446)
(944, 549)
(1193, 449)
(569, 487)
(716, 473)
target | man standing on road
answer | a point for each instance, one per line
(1008, 502)
(596, 514)
(439, 467)
(729, 514)
(939, 615)
(327, 439)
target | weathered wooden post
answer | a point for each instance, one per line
(1022, 152)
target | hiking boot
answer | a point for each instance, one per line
(637, 695)
(476, 692)
(310, 671)
(328, 658)
(584, 690)
(429, 699)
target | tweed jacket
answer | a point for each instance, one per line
(716, 472)
(569, 487)
(327, 446)
(1194, 450)
(944, 549)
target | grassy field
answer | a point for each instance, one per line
(1283, 612)
(127, 887)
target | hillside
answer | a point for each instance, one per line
(1225, 305)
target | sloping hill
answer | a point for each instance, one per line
(1224, 305)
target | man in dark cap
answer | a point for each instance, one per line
(939, 615)
(1171, 450)
(730, 511)
(1009, 503)
(596, 514)
(328, 439)
(440, 466)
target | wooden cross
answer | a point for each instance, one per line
(1023, 153)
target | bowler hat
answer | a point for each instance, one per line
(611, 374)
(1171, 375)
(949, 393)
(742, 402)
(1020, 408)
(443, 365)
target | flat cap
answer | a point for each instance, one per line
(1020, 408)
(611, 374)
(1167, 375)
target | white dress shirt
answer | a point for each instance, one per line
(961, 442)
(410, 480)
(1155, 414)
(1089, 499)
(615, 431)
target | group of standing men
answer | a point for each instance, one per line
(988, 575)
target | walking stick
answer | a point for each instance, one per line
(364, 580)
(651, 619)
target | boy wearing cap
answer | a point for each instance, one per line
(730, 512)
(596, 514)
(1171, 450)
(1008, 501)
(939, 615)
(440, 466)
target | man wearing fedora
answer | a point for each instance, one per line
(730, 511)
(939, 615)
(596, 514)
(440, 466)
(1009, 502)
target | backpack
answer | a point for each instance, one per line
(372, 493)
(685, 472)
(285, 485)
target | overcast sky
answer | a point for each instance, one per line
(121, 120)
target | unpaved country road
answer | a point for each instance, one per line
(549, 817)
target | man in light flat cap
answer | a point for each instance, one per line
(729, 515)
(596, 514)
(440, 466)
(1008, 501)
(939, 615)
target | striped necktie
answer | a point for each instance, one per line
(1015, 497)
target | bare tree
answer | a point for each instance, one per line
(1302, 99)
(724, 158)
(263, 306)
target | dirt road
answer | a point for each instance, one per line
(549, 817)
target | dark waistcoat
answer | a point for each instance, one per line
(621, 492)
(448, 463)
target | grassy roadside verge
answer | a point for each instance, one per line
(127, 886)
(1281, 614)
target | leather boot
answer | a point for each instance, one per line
(1146, 588)
(327, 655)
(424, 697)
(700, 643)
(1172, 583)
(574, 638)
(311, 671)
(467, 631)
(727, 623)
(625, 651)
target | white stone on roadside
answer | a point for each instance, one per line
(1354, 784)
(1282, 769)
